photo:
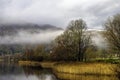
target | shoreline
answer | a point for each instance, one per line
(75, 67)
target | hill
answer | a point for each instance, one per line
(11, 29)
(17, 32)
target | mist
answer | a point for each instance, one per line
(58, 12)
(98, 40)
(45, 36)
(26, 37)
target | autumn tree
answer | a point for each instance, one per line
(34, 53)
(112, 33)
(75, 40)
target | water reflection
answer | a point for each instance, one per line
(41, 74)
(64, 76)
(15, 72)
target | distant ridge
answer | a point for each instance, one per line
(11, 29)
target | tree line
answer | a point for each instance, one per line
(75, 44)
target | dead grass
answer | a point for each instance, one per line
(75, 67)
(33, 63)
(86, 68)
(63, 76)
(47, 64)
(29, 63)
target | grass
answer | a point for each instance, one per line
(75, 67)
(86, 68)
(63, 76)
(35, 63)
(29, 63)
(108, 60)
(48, 64)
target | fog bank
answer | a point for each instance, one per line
(26, 37)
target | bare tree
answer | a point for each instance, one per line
(75, 39)
(112, 33)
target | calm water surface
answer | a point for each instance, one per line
(15, 72)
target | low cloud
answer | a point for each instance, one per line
(23, 37)
(58, 12)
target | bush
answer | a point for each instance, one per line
(33, 58)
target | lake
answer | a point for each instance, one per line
(15, 72)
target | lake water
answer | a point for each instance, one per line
(15, 72)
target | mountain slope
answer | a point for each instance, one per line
(11, 29)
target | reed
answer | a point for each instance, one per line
(64, 76)
(34, 63)
(86, 68)
(48, 64)
(75, 67)
(29, 63)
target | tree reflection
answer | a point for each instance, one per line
(41, 74)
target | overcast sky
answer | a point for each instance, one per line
(58, 12)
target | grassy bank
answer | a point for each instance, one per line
(86, 68)
(64, 76)
(29, 63)
(34, 63)
(75, 67)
